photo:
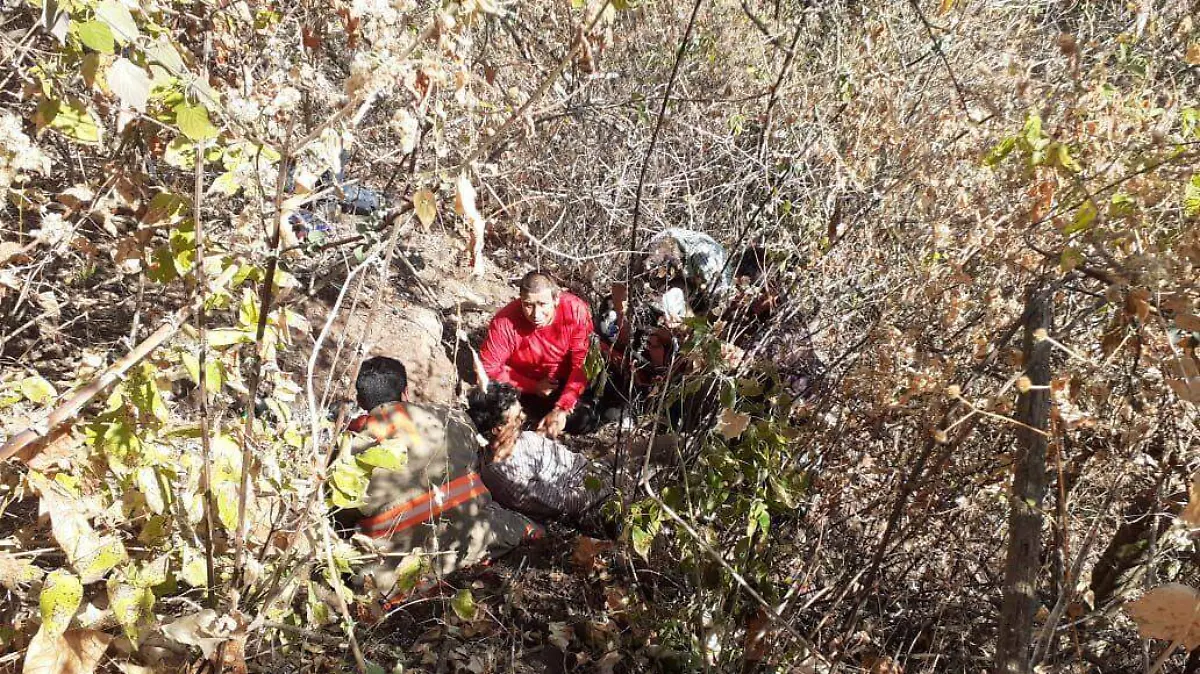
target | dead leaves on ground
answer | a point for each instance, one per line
(72, 652)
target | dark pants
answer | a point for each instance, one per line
(581, 420)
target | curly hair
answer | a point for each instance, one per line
(489, 408)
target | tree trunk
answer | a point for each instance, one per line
(1028, 491)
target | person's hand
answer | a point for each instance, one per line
(546, 387)
(553, 423)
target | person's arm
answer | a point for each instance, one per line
(577, 351)
(497, 348)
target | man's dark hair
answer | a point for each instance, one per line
(488, 408)
(536, 282)
(381, 380)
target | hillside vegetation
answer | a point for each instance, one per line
(985, 211)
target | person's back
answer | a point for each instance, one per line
(436, 501)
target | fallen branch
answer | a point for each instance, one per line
(73, 405)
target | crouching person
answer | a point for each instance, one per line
(537, 476)
(538, 344)
(436, 500)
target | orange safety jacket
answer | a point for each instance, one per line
(437, 500)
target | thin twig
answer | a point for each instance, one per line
(202, 359)
(576, 44)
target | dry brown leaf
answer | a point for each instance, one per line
(1193, 54)
(75, 652)
(883, 665)
(1191, 514)
(1189, 322)
(9, 249)
(586, 551)
(757, 631)
(75, 197)
(207, 629)
(91, 555)
(425, 204)
(464, 204)
(1169, 612)
(732, 424)
(60, 449)
(1186, 389)
(1137, 303)
(15, 571)
(606, 664)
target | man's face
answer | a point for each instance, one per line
(539, 307)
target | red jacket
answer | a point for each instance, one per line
(517, 353)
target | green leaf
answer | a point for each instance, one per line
(223, 337)
(1062, 156)
(214, 371)
(641, 540)
(60, 598)
(1191, 196)
(781, 492)
(464, 605)
(168, 207)
(162, 266)
(1121, 205)
(15, 571)
(409, 572)
(118, 18)
(142, 390)
(1000, 152)
(152, 573)
(193, 122)
(120, 444)
(109, 554)
(389, 455)
(1084, 217)
(1189, 122)
(248, 310)
(759, 518)
(36, 389)
(164, 53)
(227, 184)
(180, 153)
(350, 482)
(1033, 132)
(226, 495)
(1070, 259)
(72, 119)
(132, 606)
(193, 569)
(97, 35)
(319, 612)
(149, 484)
(749, 388)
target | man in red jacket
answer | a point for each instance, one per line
(538, 343)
